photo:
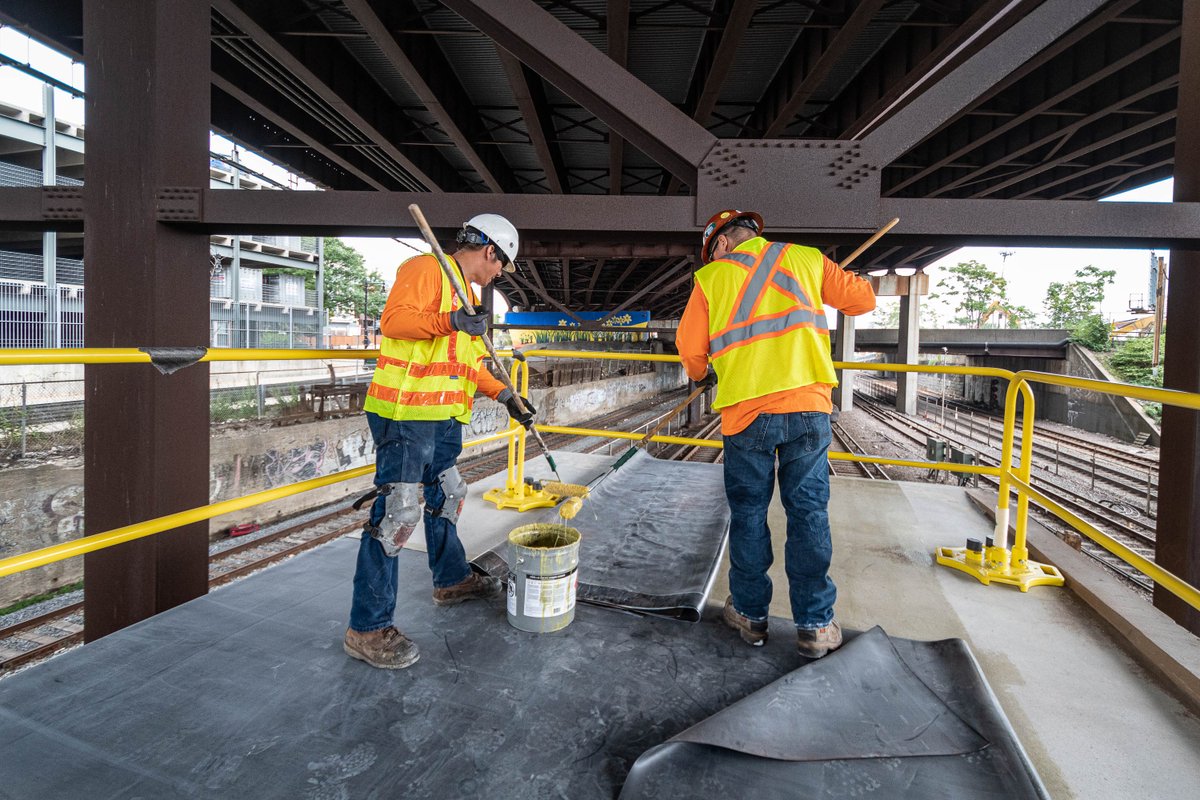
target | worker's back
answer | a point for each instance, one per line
(767, 326)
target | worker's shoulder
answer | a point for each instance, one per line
(418, 264)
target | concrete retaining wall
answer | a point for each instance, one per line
(42, 504)
(1111, 415)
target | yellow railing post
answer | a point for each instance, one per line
(999, 563)
(516, 493)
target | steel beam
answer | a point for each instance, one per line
(618, 50)
(492, 169)
(654, 283)
(1050, 103)
(963, 86)
(279, 121)
(1178, 525)
(631, 109)
(788, 95)
(146, 435)
(1079, 152)
(984, 23)
(35, 208)
(301, 71)
(58, 25)
(531, 102)
(711, 71)
(657, 221)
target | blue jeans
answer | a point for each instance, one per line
(801, 442)
(408, 452)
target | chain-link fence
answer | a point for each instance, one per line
(44, 419)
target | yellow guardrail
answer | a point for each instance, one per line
(1026, 491)
(997, 563)
(133, 355)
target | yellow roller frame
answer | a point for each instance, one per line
(516, 493)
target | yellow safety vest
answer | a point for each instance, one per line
(766, 324)
(428, 379)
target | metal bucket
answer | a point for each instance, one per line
(542, 559)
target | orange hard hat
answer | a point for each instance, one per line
(719, 221)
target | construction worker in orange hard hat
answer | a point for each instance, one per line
(757, 314)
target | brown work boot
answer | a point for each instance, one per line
(386, 648)
(753, 633)
(816, 642)
(472, 587)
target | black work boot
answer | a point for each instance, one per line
(474, 586)
(753, 633)
(817, 642)
(386, 648)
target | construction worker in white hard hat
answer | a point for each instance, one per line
(429, 369)
(757, 312)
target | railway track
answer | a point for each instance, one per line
(1133, 532)
(46, 634)
(1131, 476)
(842, 440)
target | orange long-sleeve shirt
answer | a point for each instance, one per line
(843, 290)
(412, 311)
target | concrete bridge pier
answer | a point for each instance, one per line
(909, 343)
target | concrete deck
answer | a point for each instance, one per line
(1094, 724)
(1092, 720)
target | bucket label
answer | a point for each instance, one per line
(549, 595)
(512, 595)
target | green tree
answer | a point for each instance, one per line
(1131, 362)
(1091, 332)
(1068, 304)
(887, 314)
(1021, 317)
(345, 278)
(971, 287)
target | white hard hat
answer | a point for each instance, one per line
(492, 229)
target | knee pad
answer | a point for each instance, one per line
(455, 489)
(403, 506)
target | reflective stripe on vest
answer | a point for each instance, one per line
(741, 328)
(430, 379)
(766, 334)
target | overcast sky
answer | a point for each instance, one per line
(1029, 270)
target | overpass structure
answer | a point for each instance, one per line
(608, 132)
(1014, 342)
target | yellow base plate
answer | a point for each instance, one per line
(1023, 575)
(521, 501)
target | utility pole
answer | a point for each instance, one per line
(1004, 254)
(1159, 302)
(366, 301)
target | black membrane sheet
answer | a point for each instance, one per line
(652, 536)
(880, 717)
(247, 693)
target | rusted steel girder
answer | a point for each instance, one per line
(940, 103)
(614, 223)
(146, 435)
(1178, 525)
(633, 111)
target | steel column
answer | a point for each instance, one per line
(843, 350)
(1178, 525)
(908, 348)
(146, 435)
(52, 333)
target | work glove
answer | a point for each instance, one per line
(709, 380)
(510, 402)
(474, 324)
